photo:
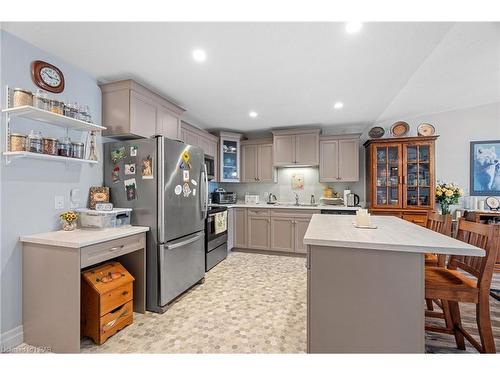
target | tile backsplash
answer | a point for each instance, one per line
(283, 187)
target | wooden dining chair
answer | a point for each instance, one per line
(451, 285)
(441, 224)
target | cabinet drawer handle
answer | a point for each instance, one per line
(117, 248)
(125, 292)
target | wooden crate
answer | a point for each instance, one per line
(107, 301)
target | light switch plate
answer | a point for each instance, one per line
(59, 202)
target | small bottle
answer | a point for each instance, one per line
(313, 200)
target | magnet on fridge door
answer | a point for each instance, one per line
(133, 151)
(178, 190)
(147, 168)
(130, 189)
(194, 182)
(115, 175)
(130, 168)
(185, 175)
(117, 154)
(186, 190)
(194, 192)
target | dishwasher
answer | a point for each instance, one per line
(338, 212)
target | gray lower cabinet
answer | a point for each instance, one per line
(301, 225)
(282, 238)
(259, 232)
(240, 227)
(280, 230)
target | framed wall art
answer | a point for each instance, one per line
(485, 168)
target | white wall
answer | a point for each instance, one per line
(28, 187)
(456, 129)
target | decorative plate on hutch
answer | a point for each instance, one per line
(493, 203)
(376, 132)
(400, 129)
(425, 130)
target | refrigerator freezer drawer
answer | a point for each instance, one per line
(182, 264)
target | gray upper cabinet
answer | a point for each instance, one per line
(296, 147)
(130, 111)
(257, 161)
(339, 158)
(201, 138)
(167, 123)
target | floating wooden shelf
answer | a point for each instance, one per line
(34, 155)
(51, 118)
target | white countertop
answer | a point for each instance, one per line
(287, 205)
(82, 237)
(392, 234)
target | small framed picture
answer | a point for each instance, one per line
(133, 151)
(98, 194)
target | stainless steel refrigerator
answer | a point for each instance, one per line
(165, 183)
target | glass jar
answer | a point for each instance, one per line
(64, 147)
(56, 106)
(50, 146)
(42, 100)
(35, 142)
(71, 110)
(21, 97)
(17, 142)
(78, 149)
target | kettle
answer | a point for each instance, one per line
(352, 200)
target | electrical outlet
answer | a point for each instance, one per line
(59, 202)
(74, 198)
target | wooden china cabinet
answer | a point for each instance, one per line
(400, 177)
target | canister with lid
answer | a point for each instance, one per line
(50, 146)
(65, 147)
(41, 100)
(21, 97)
(35, 142)
(17, 142)
(57, 106)
(78, 149)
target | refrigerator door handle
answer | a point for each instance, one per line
(175, 245)
(205, 192)
(160, 144)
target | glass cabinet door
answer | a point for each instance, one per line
(387, 176)
(230, 160)
(417, 188)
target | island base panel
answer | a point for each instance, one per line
(365, 301)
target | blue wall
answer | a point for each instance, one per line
(28, 186)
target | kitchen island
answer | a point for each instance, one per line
(365, 287)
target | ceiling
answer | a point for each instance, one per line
(289, 73)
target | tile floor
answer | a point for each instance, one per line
(250, 303)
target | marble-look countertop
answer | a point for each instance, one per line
(82, 237)
(287, 205)
(391, 234)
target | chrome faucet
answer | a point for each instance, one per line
(296, 199)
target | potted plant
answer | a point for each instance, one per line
(68, 220)
(446, 195)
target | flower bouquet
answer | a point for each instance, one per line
(446, 195)
(68, 220)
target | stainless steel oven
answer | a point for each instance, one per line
(210, 164)
(215, 237)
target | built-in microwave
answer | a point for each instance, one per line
(210, 164)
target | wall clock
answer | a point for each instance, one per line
(47, 76)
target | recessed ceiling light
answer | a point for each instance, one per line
(199, 55)
(353, 27)
(253, 114)
(338, 105)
